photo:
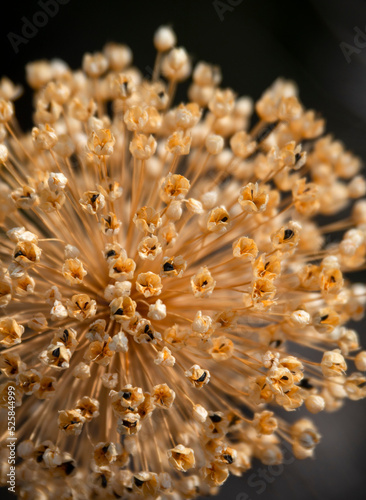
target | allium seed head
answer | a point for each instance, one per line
(158, 263)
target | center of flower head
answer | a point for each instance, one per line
(155, 263)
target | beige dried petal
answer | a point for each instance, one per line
(218, 220)
(163, 396)
(147, 219)
(81, 307)
(181, 458)
(333, 363)
(92, 201)
(197, 376)
(245, 248)
(174, 187)
(73, 271)
(253, 198)
(88, 408)
(178, 143)
(10, 332)
(149, 248)
(44, 138)
(222, 348)
(122, 309)
(202, 283)
(27, 254)
(142, 147)
(164, 358)
(70, 422)
(149, 284)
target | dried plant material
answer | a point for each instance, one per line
(161, 264)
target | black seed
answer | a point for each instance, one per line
(284, 377)
(161, 94)
(94, 198)
(105, 449)
(126, 395)
(128, 424)
(297, 157)
(111, 253)
(325, 317)
(74, 160)
(228, 458)
(224, 219)
(264, 133)
(288, 234)
(138, 482)
(18, 254)
(56, 352)
(202, 377)
(147, 328)
(65, 336)
(234, 420)
(168, 266)
(205, 283)
(68, 467)
(119, 312)
(276, 343)
(305, 384)
(215, 418)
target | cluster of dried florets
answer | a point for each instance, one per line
(156, 263)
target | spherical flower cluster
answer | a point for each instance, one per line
(158, 261)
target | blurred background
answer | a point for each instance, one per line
(317, 43)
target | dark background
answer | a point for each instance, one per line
(254, 42)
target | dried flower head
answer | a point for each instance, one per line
(157, 264)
